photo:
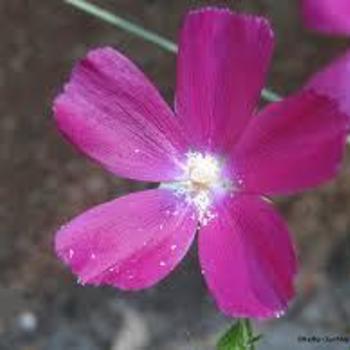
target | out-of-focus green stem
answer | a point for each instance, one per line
(142, 33)
(123, 24)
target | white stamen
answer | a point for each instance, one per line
(202, 169)
(203, 179)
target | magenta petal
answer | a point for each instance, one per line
(247, 258)
(334, 81)
(131, 242)
(111, 112)
(291, 145)
(327, 16)
(222, 63)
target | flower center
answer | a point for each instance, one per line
(202, 182)
(203, 171)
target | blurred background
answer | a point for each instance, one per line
(44, 182)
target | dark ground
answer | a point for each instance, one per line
(44, 182)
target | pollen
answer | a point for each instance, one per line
(203, 170)
(201, 183)
(204, 181)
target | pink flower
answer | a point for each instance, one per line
(334, 81)
(327, 16)
(215, 159)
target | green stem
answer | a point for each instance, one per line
(142, 33)
(123, 24)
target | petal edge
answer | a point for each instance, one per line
(111, 112)
(248, 259)
(222, 62)
(291, 145)
(131, 243)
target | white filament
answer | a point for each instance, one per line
(203, 179)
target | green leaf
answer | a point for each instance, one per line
(239, 337)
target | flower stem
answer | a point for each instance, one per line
(142, 33)
(123, 24)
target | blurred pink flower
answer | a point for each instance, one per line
(215, 158)
(334, 81)
(327, 16)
